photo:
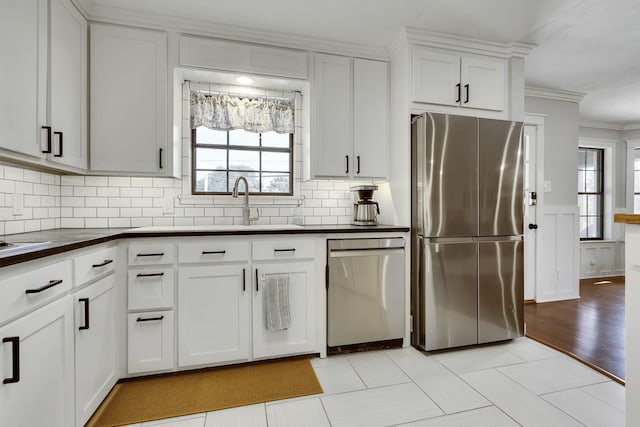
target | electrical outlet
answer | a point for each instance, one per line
(18, 204)
(167, 205)
(547, 186)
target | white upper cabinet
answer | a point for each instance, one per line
(448, 78)
(129, 105)
(350, 118)
(43, 100)
(68, 85)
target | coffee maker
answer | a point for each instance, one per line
(365, 210)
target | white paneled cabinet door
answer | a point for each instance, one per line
(95, 346)
(213, 314)
(436, 77)
(483, 83)
(129, 112)
(150, 341)
(332, 145)
(68, 85)
(370, 118)
(36, 365)
(299, 337)
(23, 75)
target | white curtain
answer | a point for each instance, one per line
(224, 112)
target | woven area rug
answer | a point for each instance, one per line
(184, 393)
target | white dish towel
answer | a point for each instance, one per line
(277, 302)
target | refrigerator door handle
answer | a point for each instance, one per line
(514, 238)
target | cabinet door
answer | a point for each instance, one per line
(300, 336)
(370, 118)
(150, 341)
(483, 83)
(43, 396)
(95, 346)
(68, 84)
(213, 314)
(332, 146)
(23, 75)
(129, 111)
(436, 77)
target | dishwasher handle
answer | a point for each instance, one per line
(342, 253)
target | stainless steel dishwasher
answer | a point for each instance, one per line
(365, 293)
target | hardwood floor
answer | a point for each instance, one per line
(590, 328)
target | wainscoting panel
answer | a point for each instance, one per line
(601, 259)
(558, 269)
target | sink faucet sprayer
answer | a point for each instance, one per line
(246, 219)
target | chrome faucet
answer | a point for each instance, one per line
(246, 219)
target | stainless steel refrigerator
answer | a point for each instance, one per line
(467, 244)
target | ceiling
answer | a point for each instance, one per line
(586, 46)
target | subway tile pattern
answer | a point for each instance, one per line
(75, 201)
(406, 387)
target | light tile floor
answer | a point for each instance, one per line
(515, 383)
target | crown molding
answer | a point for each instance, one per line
(600, 125)
(631, 126)
(467, 44)
(555, 94)
(114, 15)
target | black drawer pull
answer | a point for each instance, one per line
(48, 129)
(51, 284)
(466, 101)
(285, 250)
(60, 136)
(15, 341)
(244, 279)
(102, 264)
(214, 252)
(257, 284)
(153, 254)
(149, 274)
(86, 313)
(149, 319)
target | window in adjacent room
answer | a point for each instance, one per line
(250, 137)
(590, 192)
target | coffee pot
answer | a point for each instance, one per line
(365, 210)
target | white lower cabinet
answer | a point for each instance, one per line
(213, 314)
(299, 336)
(150, 341)
(37, 368)
(95, 346)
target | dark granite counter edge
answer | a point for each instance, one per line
(67, 245)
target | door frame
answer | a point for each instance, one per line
(537, 120)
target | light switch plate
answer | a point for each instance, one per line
(18, 204)
(547, 186)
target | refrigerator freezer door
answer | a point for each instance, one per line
(500, 290)
(449, 295)
(446, 181)
(500, 177)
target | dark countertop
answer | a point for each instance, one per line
(68, 239)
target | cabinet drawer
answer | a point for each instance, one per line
(151, 254)
(150, 288)
(284, 249)
(213, 251)
(94, 264)
(150, 337)
(22, 292)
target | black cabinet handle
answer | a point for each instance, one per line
(533, 226)
(149, 274)
(459, 92)
(285, 250)
(48, 128)
(160, 158)
(347, 158)
(153, 254)
(60, 136)
(102, 264)
(214, 252)
(149, 319)
(244, 279)
(86, 313)
(15, 377)
(467, 93)
(358, 158)
(51, 284)
(257, 284)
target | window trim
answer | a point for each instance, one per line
(259, 149)
(601, 193)
(632, 144)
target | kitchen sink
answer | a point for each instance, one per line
(213, 228)
(7, 248)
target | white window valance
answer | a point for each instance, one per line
(225, 112)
